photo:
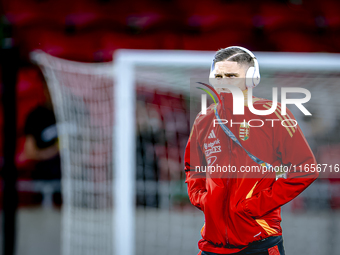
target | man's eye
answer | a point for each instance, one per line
(218, 76)
(231, 76)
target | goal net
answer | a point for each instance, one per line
(82, 96)
(123, 127)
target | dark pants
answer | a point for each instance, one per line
(260, 248)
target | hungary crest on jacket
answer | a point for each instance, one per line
(244, 131)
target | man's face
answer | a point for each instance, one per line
(230, 73)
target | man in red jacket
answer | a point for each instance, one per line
(242, 205)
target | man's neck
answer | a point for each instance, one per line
(245, 93)
(227, 98)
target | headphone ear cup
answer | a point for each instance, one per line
(256, 78)
(249, 77)
(252, 77)
(256, 75)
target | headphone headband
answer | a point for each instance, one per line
(242, 48)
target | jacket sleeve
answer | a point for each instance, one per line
(294, 152)
(195, 180)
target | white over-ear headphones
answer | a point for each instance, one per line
(253, 73)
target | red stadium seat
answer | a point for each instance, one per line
(210, 25)
(291, 41)
(276, 16)
(30, 12)
(92, 45)
(206, 16)
(145, 15)
(290, 27)
(217, 39)
(334, 41)
(330, 10)
(171, 40)
(93, 14)
(79, 46)
(119, 40)
(117, 15)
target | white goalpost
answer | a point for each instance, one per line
(122, 128)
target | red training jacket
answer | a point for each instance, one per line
(243, 207)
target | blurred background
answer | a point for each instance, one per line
(91, 31)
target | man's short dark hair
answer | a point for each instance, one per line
(235, 55)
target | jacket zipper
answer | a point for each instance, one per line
(229, 147)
